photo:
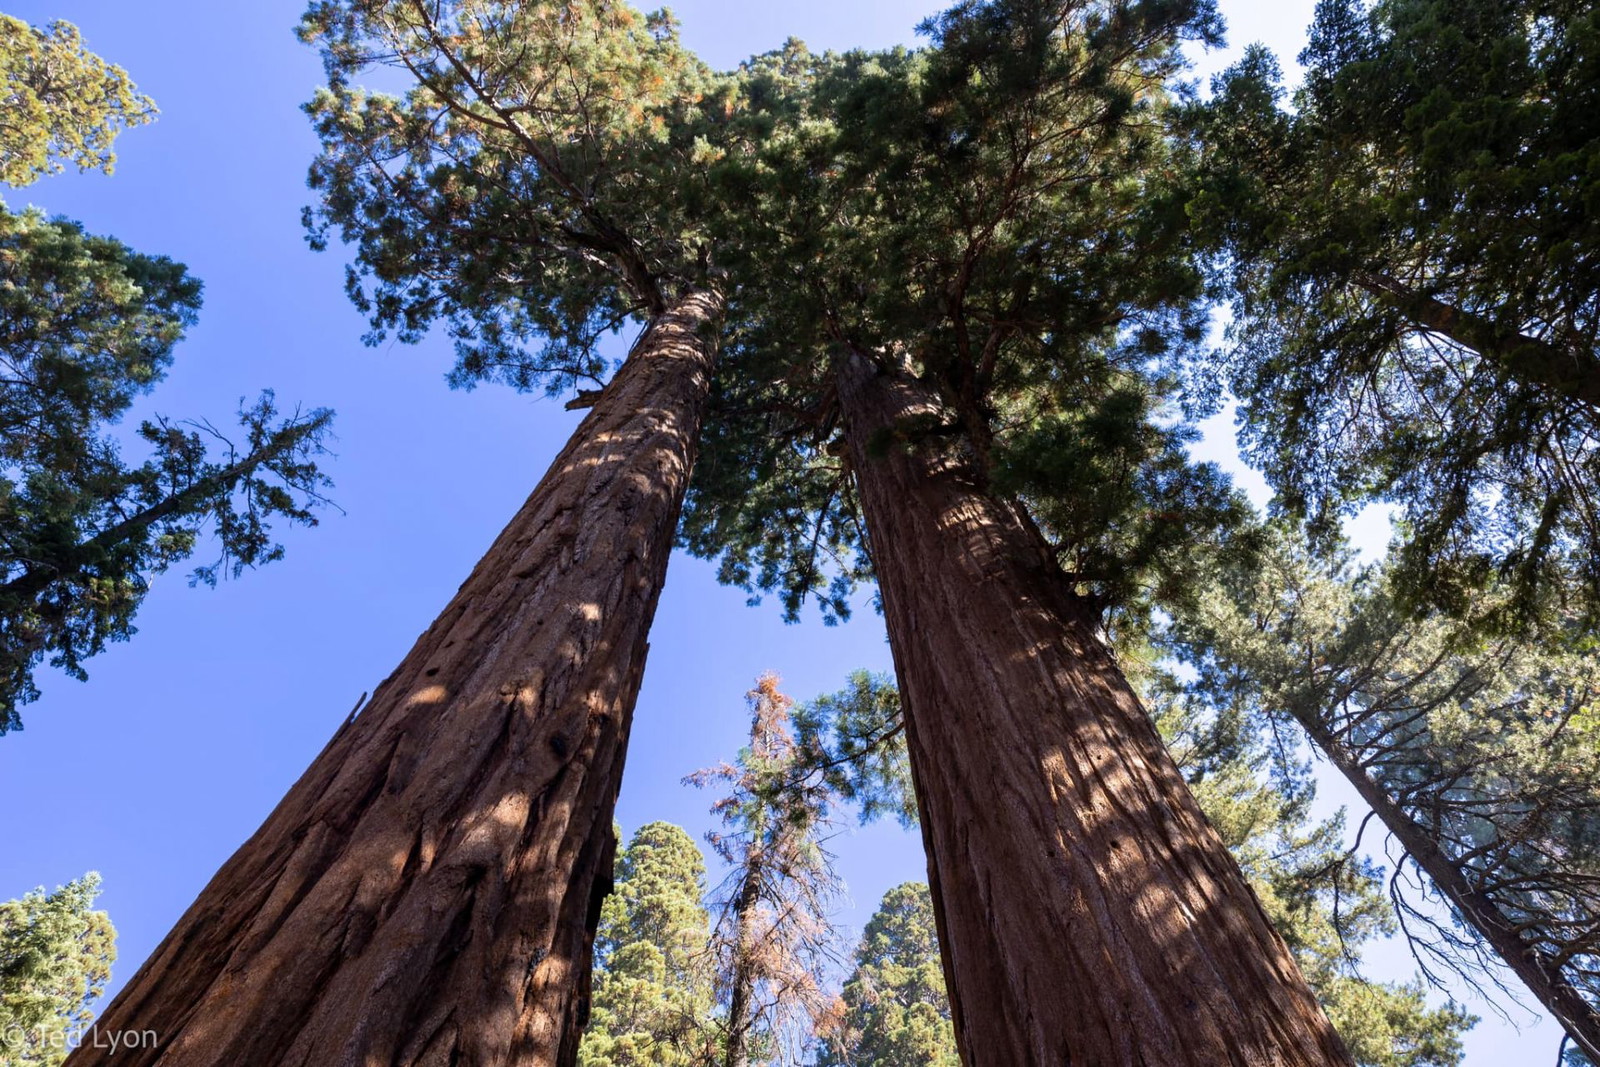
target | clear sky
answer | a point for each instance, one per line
(162, 764)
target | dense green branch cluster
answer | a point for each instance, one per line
(1412, 251)
(88, 326)
(516, 190)
(995, 214)
(653, 988)
(894, 1011)
(56, 953)
(60, 103)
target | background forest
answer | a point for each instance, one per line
(153, 771)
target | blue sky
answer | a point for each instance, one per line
(155, 770)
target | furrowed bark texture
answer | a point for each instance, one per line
(1088, 913)
(1477, 909)
(427, 892)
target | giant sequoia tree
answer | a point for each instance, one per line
(975, 279)
(1413, 252)
(428, 891)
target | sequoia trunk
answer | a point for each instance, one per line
(427, 892)
(1477, 909)
(1088, 913)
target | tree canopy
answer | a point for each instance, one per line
(895, 1011)
(653, 990)
(87, 328)
(60, 103)
(522, 189)
(55, 960)
(1411, 248)
(994, 213)
(1032, 219)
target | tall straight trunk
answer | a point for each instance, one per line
(1477, 909)
(1089, 914)
(742, 982)
(428, 890)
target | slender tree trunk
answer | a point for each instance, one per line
(741, 991)
(1564, 1003)
(1572, 372)
(427, 892)
(1089, 914)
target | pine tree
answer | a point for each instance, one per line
(61, 103)
(653, 990)
(1477, 754)
(895, 1012)
(773, 938)
(87, 327)
(429, 889)
(1412, 248)
(55, 960)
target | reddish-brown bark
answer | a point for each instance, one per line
(1088, 913)
(427, 892)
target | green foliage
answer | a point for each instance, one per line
(849, 741)
(55, 959)
(653, 988)
(994, 215)
(894, 1011)
(1413, 251)
(60, 103)
(1488, 746)
(87, 326)
(522, 190)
